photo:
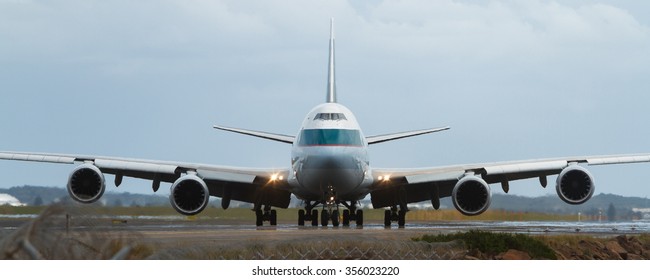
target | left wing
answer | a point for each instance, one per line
(192, 183)
(468, 184)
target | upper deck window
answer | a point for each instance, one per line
(330, 137)
(330, 116)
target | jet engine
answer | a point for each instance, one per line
(86, 183)
(189, 195)
(575, 185)
(471, 196)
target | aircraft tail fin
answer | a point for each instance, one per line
(331, 81)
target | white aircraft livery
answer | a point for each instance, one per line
(329, 169)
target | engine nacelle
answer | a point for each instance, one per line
(471, 196)
(575, 185)
(189, 195)
(86, 183)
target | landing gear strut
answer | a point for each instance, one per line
(330, 208)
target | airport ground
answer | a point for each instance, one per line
(97, 232)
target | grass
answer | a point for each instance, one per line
(495, 243)
(568, 240)
(21, 210)
(490, 215)
(291, 215)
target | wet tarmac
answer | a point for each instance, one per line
(163, 230)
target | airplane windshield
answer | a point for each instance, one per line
(330, 137)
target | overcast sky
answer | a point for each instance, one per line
(148, 79)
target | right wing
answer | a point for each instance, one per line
(266, 186)
(401, 186)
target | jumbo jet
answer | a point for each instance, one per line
(330, 170)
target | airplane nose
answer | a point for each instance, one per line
(330, 162)
(341, 172)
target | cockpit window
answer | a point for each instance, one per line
(330, 137)
(330, 116)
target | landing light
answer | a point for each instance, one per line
(276, 177)
(384, 178)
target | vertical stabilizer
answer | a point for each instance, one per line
(331, 81)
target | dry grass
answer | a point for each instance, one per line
(490, 215)
(291, 215)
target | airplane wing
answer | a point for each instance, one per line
(399, 186)
(242, 184)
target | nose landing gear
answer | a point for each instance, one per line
(332, 211)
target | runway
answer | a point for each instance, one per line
(174, 224)
(160, 229)
(233, 233)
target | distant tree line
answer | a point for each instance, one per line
(600, 207)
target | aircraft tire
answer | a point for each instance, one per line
(387, 218)
(301, 217)
(324, 218)
(359, 218)
(259, 218)
(274, 218)
(314, 218)
(335, 218)
(346, 218)
(401, 221)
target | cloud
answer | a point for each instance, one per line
(530, 30)
(515, 79)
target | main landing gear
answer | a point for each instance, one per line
(395, 215)
(309, 214)
(331, 213)
(265, 214)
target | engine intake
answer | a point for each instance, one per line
(575, 185)
(189, 195)
(86, 183)
(471, 196)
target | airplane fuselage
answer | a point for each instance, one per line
(329, 158)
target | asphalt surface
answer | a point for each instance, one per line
(218, 232)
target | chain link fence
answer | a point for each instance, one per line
(342, 250)
(55, 234)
